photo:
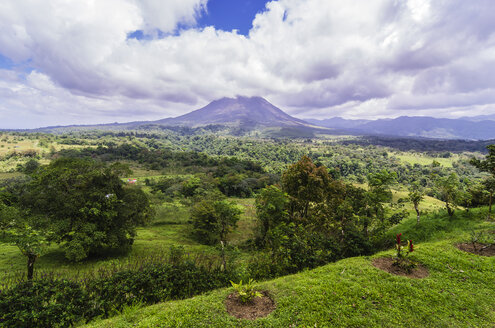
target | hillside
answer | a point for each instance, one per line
(353, 293)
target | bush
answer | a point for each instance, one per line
(153, 283)
(46, 303)
(49, 302)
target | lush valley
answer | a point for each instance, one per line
(221, 208)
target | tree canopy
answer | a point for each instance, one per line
(86, 205)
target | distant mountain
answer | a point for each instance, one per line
(479, 118)
(256, 116)
(338, 122)
(417, 126)
(252, 111)
(229, 116)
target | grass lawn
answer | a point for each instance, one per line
(353, 293)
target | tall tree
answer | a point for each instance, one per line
(448, 190)
(305, 183)
(271, 210)
(416, 196)
(379, 191)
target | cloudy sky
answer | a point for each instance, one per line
(100, 61)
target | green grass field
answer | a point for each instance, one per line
(353, 293)
(418, 158)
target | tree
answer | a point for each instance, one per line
(213, 220)
(379, 191)
(17, 230)
(416, 196)
(489, 185)
(305, 183)
(271, 210)
(447, 189)
(487, 165)
(86, 205)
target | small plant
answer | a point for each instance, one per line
(480, 240)
(475, 236)
(246, 291)
(402, 257)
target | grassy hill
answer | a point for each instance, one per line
(353, 293)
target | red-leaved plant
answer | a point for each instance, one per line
(402, 259)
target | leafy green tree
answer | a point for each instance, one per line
(305, 183)
(416, 196)
(489, 185)
(271, 210)
(213, 220)
(18, 230)
(487, 165)
(31, 166)
(86, 205)
(448, 190)
(379, 191)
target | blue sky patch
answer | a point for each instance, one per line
(5, 63)
(228, 15)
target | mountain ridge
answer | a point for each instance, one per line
(415, 126)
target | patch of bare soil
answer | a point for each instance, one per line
(260, 307)
(387, 264)
(478, 248)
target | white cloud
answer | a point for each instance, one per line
(317, 57)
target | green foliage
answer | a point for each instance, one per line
(416, 196)
(305, 183)
(487, 165)
(17, 229)
(313, 221)
(86, 205)
(271, 210)
(156, 282)
(46, 303)
(353, 293)
(402, 254)
(177, 276)
(31, 166)
(247, 292)
(448, 190)
(213, 220)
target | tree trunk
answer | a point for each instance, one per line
(30, 266)
(449, 210)
(417, 212)
(490, 204)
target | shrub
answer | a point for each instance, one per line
(246, 292)
(46, 303)
(402, 256)
(153, 283)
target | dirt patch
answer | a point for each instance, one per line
(260, 307)
(478, 248)
(386, 264)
